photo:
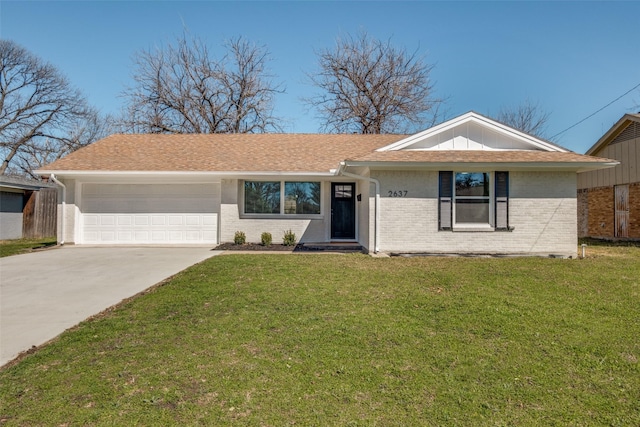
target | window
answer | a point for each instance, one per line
(469, 199)
(302, 198)
(343, 191)
(268, 197)
(262, 197)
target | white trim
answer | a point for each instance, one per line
(477, 228)
(483, 166)
(474, 226)
(376, 225)
(188, 174)
(63, 210)
(475, 118)
(77, 212)
(356, 212)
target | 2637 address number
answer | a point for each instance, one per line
(397, 193)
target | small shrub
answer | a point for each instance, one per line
(239, 238)
(289, 238)
(266, 239)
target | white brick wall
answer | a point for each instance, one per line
(542, 210)
(71, 213)
(306, 230)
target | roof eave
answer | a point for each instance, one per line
(513, 166)
(151, 174)
(23, 186)
(611, 133)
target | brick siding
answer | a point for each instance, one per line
(583, 213)
(600, 212)
(596, 216)
(542, 210)
(634, 210)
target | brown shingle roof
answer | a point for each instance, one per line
(221, 152)
(482, 156)
(272, 153)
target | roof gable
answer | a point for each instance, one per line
(472, 131)
(628, 127)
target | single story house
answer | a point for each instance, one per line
(469, 185)
(27, 208)
(609, 199)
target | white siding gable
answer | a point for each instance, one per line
(472, 132)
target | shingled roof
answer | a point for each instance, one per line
(279, 153)
(221, 152)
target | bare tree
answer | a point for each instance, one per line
(528, 117)
(369, 86)
(180, 88)
(80, 132)
(39, 110)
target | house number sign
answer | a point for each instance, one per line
(397, 193)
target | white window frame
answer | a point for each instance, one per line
(469, 226)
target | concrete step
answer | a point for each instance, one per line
(333, 247)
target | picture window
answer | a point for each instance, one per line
(282, 197)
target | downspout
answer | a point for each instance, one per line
(376, 225)
(64, 200)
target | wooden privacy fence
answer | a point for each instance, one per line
(40, 213)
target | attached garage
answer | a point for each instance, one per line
(149, 213)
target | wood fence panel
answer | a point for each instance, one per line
(40, 213)
(622, 210)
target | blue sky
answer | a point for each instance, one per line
(572, 58)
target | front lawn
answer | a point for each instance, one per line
(20, 246)
(275, 340)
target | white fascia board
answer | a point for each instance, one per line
(484, 166)
(477, 118)
(177, 174)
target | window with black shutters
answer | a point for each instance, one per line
(471, 200)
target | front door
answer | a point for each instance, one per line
(343, 210)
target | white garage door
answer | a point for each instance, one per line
(150, 213)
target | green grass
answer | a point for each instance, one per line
(322, 340)
(20, 246)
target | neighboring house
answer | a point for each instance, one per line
(27, 208)
(470, 185)
(609, 199)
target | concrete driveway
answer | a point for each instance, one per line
(44, 293)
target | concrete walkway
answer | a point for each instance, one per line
(44, 293)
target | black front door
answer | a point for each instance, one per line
(343, 210)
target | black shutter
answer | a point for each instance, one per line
(445, 197)
(502, 200)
